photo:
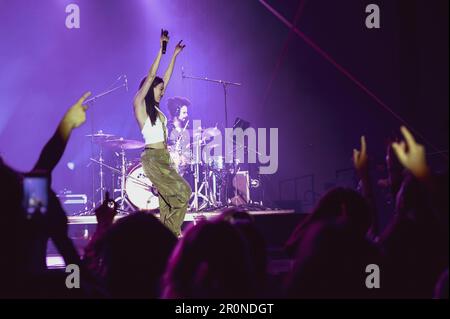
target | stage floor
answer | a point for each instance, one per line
(86, 220)
(84, 226)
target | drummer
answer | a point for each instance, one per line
(178, 131)
(179, 113)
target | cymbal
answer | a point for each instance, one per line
(100, 137)
(212, 131)
(100, 134)
(124, 144)
(210, 146)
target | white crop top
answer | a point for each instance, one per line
(155, 133)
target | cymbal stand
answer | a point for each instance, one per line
(102, 188)
(123, 174)
(204, 184)
(209, 185)
(91, 101)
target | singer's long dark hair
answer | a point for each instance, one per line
(150, 102)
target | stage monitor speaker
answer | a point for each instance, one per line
(73, 204)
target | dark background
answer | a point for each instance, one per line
(320, 113)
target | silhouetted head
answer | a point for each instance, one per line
(346, 204)
(136, 251)
(245, 224)
(210, 261)
(329, 263)
(343, 204)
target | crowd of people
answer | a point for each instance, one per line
(226, 257)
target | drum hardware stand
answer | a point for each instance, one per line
(101, 174)
(196, 176)
(123, 198)
(214, 188)
(197, 189)
(91, 102)
(101, 189)
(210, 185)
(208, 201)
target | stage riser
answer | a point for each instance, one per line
(275, 228)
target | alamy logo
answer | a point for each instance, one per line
(73, 279)
(373, 279)
(73, 17)
(373, 19)
(232, 146)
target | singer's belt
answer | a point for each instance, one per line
(148, 147)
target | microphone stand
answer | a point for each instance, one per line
(91, 102)
(94, 99)
(225, 85)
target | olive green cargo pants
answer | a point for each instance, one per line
(174, 191)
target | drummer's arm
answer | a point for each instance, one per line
(54, 149)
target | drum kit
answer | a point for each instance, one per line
(210, 179)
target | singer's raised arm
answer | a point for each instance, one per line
(169, 70)
(140, 95)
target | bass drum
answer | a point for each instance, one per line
(140, 190)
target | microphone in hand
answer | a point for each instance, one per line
(164, 35)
